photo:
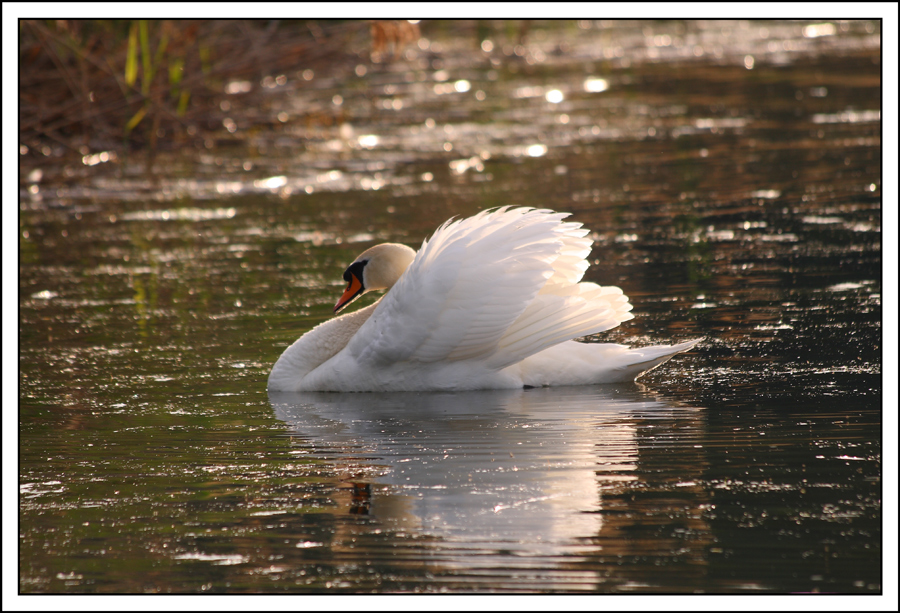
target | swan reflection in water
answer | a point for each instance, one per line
(513, 470)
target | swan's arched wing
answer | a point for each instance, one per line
(560, 313)
(472, 281)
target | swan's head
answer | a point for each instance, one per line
(378, 267)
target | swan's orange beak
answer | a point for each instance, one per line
(354, 289)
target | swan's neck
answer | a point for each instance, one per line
(316, 347)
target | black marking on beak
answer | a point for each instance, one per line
(355, 286)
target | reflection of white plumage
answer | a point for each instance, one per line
(492, 301)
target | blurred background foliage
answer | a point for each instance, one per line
(88, 85)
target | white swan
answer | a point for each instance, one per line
(490, 302)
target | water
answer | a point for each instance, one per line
(731, 175)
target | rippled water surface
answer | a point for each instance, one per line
(731, 175)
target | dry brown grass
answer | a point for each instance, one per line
(91, 85)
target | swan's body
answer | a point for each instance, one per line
(490, 302)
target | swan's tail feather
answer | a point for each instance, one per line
(574, 363)
(636, 362)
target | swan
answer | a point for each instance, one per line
(493, 301)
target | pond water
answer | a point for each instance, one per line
(731, 174)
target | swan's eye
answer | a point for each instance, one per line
(355, 269)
